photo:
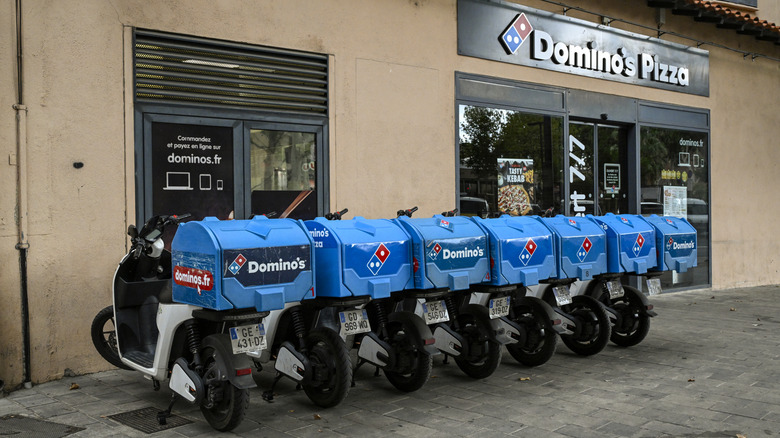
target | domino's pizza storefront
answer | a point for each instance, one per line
(574, 151)
(119, 112)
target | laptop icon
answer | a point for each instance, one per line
(177, 181)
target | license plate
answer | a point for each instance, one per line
(615, 289)
(248, 338)
(499, 307)
(562, 296)
(435, 311)
(653, 286)
(354, 322)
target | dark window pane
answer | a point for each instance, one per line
(283, 173)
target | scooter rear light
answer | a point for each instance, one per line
(649, 307)
(243, 372)
(429, 341)
(556, 322)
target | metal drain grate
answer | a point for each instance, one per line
(17, 426)
(145, 420)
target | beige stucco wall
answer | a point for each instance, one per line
(392, 133)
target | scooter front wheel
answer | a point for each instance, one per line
(330, 367)
(484, 354)
(224, 405)
(415, 365)
(103, 333)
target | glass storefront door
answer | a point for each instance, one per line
(598, 168)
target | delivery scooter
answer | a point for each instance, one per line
(146, 331)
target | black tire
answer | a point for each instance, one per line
(328, 357)
(541, 339)
(103, 332)
(593, 326)
(414, 364)
(636, 323)
(224, 406)
(482, 364)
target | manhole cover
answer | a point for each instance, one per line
(17, 426)
(145, 420)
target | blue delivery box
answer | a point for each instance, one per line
(521, 250)
(360, 257)
(675, 240)
(580, 246)
(261, 263)
(447, 252)
(630, 243)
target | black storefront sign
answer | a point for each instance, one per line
(192, 170)
(515, 34)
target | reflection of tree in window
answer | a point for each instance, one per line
(487, 134)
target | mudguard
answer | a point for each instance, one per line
(482, 314)
(419, 331)
(559, 322)
(536, 303)
(647, 308)
(228, 362)
(596, 292)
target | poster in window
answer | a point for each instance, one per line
(192, 170)
(676, 201)
(516, 193)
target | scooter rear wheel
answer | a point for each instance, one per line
(103, 333)
(331, 368)
(224, 405)
(593, 326)
(415, 364)
(636, 323)
(541, 339)
(482, 365)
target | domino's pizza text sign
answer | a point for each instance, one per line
(508, 32)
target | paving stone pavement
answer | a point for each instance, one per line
(710, 367)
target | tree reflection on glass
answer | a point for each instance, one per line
(530, 142)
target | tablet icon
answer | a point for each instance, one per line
(205, 181)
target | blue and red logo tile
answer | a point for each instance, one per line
(378, 259)
(515, 35)
(237, 264)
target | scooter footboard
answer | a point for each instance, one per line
(230, 363)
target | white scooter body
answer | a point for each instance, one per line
(169, 318)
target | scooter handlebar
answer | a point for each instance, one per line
(336, 215)
(407, 213)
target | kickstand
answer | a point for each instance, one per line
(376, 372)
(162, 416)
(269, 395)
(446, 359)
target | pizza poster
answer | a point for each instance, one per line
(515, 185)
